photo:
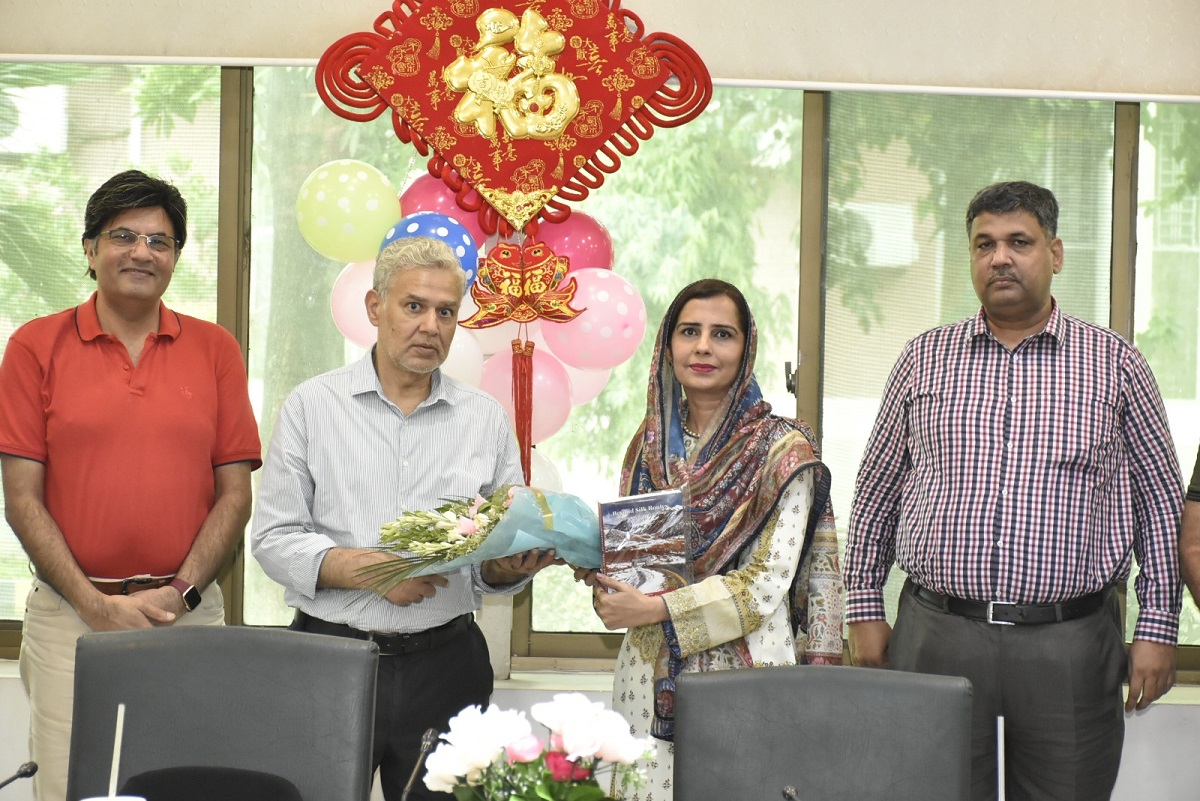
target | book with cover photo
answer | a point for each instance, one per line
(646, 540)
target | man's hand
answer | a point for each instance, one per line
(869, 643)
(121, 612)
(622, 606)
(166, 599)
(415, 590)
(1151, 673)
(511, 569)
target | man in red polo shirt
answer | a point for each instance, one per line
(126, 441)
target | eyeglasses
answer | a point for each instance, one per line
(126, 239)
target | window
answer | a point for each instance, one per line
(292, 334)
(1167, 293)
(902, 170)
(64, 130)
(719, 196)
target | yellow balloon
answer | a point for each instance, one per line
(345, 208)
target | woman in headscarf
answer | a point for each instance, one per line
(767, 587)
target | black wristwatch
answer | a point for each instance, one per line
(191, 595)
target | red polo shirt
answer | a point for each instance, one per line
(129, 450)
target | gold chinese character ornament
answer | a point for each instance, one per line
(522, 107)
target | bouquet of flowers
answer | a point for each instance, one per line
(494, 755)
(513, 520)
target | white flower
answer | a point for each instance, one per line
(479, 737)
(616, 743)
(442, 769)
(584, 727)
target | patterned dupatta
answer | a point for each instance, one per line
(741, 466)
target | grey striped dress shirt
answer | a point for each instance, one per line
(344, 459)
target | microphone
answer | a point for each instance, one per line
(23, 772)
(428, 739)
(789, 793)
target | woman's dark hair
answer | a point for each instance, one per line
(133, 189)
(709, 288)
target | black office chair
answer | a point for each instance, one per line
(829, 733)
(196, 783)
(205, 702)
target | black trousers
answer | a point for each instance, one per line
(1058, 687)
(419, 691)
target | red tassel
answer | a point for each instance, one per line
(522, 367)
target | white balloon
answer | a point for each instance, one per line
(542, 472)
(464, 362)
(586, 385)
(499, 337)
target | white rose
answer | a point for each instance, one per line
(442, 769)
(574, 719)
(479, 737)
(616, 743)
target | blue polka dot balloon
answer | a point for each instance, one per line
(439, 226)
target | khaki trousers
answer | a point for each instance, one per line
(48, 673)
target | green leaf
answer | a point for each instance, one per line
(585, 792)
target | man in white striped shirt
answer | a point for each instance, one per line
(354, 448)
(1020, 457)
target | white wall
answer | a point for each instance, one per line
(1137, 47)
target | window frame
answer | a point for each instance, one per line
(533, 648)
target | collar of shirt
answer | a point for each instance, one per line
(87, 321)
(1055, 326)
(364, 379)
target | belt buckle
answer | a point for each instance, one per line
(141, 578)
(991, 618)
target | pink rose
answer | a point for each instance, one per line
(476, 506)
(526, 749)
(466, 526)
(564, 770)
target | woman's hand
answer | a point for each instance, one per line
(622, 606)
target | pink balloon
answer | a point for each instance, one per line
(580, 238)
(427, 193)
(551, 391)
(348, 306)
(610, 329)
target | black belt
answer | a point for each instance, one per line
(389, 644)
(1006, 614)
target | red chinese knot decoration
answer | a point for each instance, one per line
(522, 284)
(526, 106)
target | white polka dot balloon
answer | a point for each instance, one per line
(610, 329)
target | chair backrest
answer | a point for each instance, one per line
(301, 706)
(832, 733)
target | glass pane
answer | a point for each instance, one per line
(902, 169)
(292, 334)
(64, 130)
(718, 197)
(1167, 293)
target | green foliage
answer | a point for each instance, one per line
(166, 94)
(958, 145)
(678, 210)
